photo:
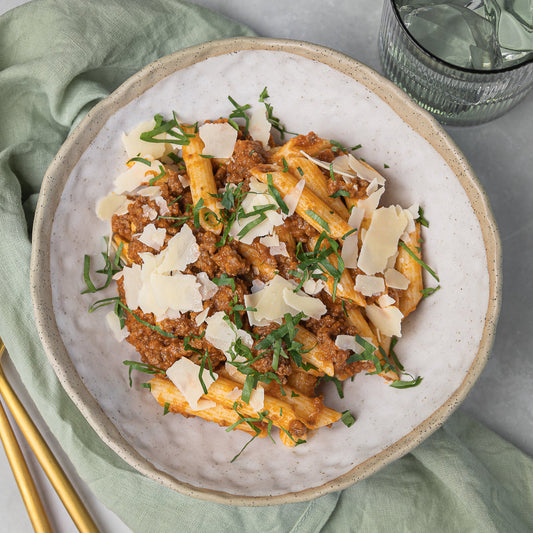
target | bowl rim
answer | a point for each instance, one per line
(59, 170)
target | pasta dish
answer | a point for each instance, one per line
(249, 271)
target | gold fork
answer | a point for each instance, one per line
(51, 467)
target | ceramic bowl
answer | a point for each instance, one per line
(311, 88)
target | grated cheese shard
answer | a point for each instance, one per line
(396, 280)
(184, 374)
(112, 204)
(259, 127)
(387, 320)
(311, 307)
(113, 323)
(293, 196)
(133, 144)
(258, 197)
(179, 293)
(200, 317)
(207, 288)
(219, 139)
(381, 239)
(181, 250)
(153, 237)
(222, 335)
(369, 285)
(136, 175)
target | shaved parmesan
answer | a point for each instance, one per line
(112, 204)
(184, 374)
(387, 320)
(234, 395)
(207, 288)
(370, 204)
(133, 144)
(350, 250)
(372, 187)
(257, 285)
(114, 325)
(153, 237)
(396, 280)
(339, 165)
(385, 300)
(256, 198)
(222, 335)
(312, 307)
(347, 342)
(259, 127)
(149, 212)
(381, 239)
(369, 285)
(219, 139)
(270, 303)
(257, 398)
(269, 240)
(356, 217)
(365, 171)
(180, 292)
(293, 196)
(181, 250)
(150, 192)
(250, 301)
(132, 284)
(313, 286)
(200, 317)
(184, 180)
(135, 176)
(162, 204)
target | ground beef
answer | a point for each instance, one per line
(246, 155)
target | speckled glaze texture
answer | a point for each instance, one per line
(312, 88)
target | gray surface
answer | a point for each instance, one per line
(501, 153)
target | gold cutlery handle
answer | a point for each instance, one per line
(53, 470)
(23, 477)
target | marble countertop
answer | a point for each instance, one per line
(501, 155)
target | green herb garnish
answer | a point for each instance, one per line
(142, 367)
(318, 219)
(418, 260)
(347, 418)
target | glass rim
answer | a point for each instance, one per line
(446, 63)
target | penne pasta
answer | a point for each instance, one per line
(412, 270)
(166, 393)
(310, 207)
(203, 187)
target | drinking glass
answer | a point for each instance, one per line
(455, 91)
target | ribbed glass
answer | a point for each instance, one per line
(453, 95)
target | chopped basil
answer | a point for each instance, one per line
(421, 217)
(239, 112)
(429, 291)
(347, 419)
(196, 212)
(166, 408)
(142, 367)
(205, 156)
(111, 267)
(318, 219)
(348, 233)
(147, 386)
(139, 160)
(331, 173)
(406, 384)
(340, 192)
(338, 383)
(418, 260)
(162, 126)
(224, 279)
(343, 303)
(276, 195)
(386, 166)
(285, 165)
(338, 147)
(175, 157)
(161, 174)
(276, 123)
(300, 171)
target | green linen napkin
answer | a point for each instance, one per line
(58, 59)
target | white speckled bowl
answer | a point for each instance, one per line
(447, 340)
